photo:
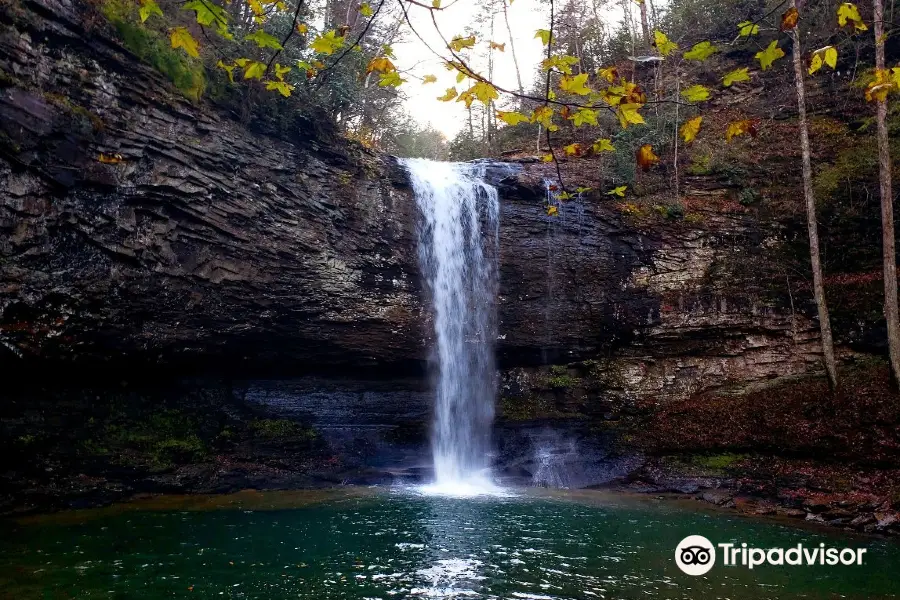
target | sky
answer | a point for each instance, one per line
(416, 60)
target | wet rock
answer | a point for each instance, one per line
(794, 513)
(862, 520)
(718, 497)
(885, 520)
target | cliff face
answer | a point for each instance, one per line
(136, 225)
(196, 236)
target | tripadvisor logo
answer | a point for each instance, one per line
(696, 555)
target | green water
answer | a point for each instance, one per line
(365, 544)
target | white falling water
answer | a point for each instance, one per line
(458, 256)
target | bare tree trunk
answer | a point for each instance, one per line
(815, 257)
(512, 48)
(645, 26)
(891, 312)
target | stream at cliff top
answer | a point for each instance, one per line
(360, 543)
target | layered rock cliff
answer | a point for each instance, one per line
(139, 226)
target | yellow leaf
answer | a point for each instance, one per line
(436, 3)
(511, 118)
(254, 70)
(628, 115)
(696, 93)
(701, 52)
(879, 88)
(831, 57)
(609, 74)
(382, 65)
(484, 92)
(327, 43)
(574, 150)
(769, 55)
(264, 40)
(563, 64)
(110, 159)
(429, 79)
(181, 38)
(823, 56)
(280, 71)
(690, 129)
(584, 116)
(574, 85)
(740, 128)
(816, 63)
(229, 69)
(365, 10)
(662, 43)
(603, 145)
(257, 7)
(619, 191)
(461, 43)
(543, 35)
(302, 28)
(646, 157)
(149, 8)
(547, 158)
(450, 95)
(543, 115)
(747, 29)
(736, 76)
(281, 87)
(390, 79)
(848, 12)
(552, 210)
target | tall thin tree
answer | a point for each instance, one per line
(814, 252)
(891, 309)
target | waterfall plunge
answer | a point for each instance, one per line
(458, 244)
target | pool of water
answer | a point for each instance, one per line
(397, 543)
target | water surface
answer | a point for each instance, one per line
(379, 543)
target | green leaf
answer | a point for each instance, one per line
(149, 8)
(264, 40)
(208, 12)
(701, 52)
(543, 35)
(365, 9)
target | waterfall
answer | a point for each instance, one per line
(458, 245)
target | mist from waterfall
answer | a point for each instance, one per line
(458, 246)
